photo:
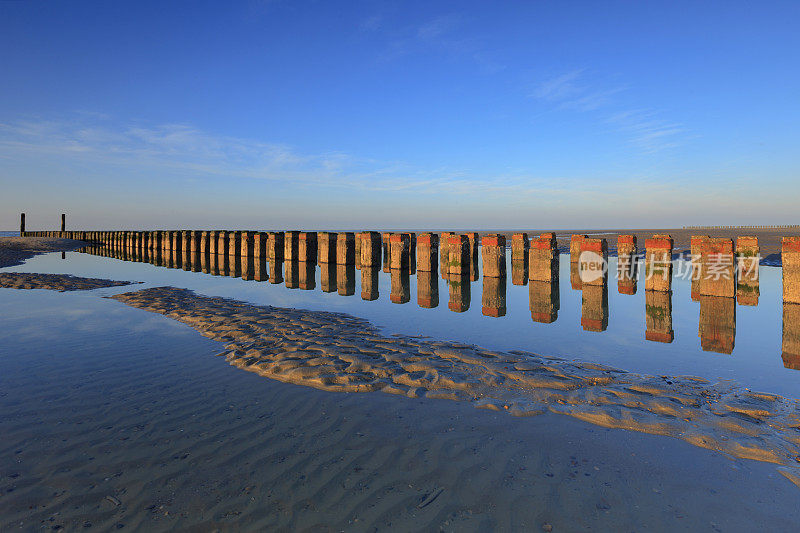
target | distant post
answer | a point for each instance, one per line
(22, 224)
(63, 222)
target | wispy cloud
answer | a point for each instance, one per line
(573, 90)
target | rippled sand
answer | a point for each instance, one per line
(114, 418)
(55, 282)
(336, 352)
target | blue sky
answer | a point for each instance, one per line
(399, 114)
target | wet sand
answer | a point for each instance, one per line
(340, 353)
(15, 250)
(55, 282)
(132, 424)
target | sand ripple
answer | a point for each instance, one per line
(337, 352)
(54, 282)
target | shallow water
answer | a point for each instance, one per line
(115, 418)
(753, 334)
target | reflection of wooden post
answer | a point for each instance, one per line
(493, 299)
(493, 255)
(790, 258)
(327, 275)
(543, 258)
(658, 319)
(401, 288)
(718, 268)
(544, 301)
(459, 288)
(658, 263)
(717, 327)
(22, 224)
(427, 289)
(346, 279)
(791, 336)
(747, 256)
(308, 281)
(369, 282)
(594, 307)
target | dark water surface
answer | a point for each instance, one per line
(408, 304)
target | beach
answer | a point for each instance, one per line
(162, 408)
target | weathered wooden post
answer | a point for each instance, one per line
(186, 249)
(248, 255)
(717, 327)
(400, 244)
(696, 246)
(519, 273)
(544, 301)
(370, 249)
(276, 247)
(626, 264)
(458, 260)
(493, 299)
(369, 280)
(260, 240)
(22, 224)
(593, 262)
(718, 268)
(493, 255)
(747, 258)
(790, 259)
(290, 248)
(427, 288)
(427, 252)
(401, 285)
(444, 252)
(222, 243)
(519, 249)
(658, 316)
(543, 260)
(346, 248)
(658, 263)
(327, 245)
(575, 246)
(307, 246)
(63, 223)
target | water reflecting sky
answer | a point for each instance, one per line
(739, 342)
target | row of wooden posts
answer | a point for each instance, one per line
(717, 322)
(734, 265)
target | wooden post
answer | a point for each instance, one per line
(63, 222)
(22, 224)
